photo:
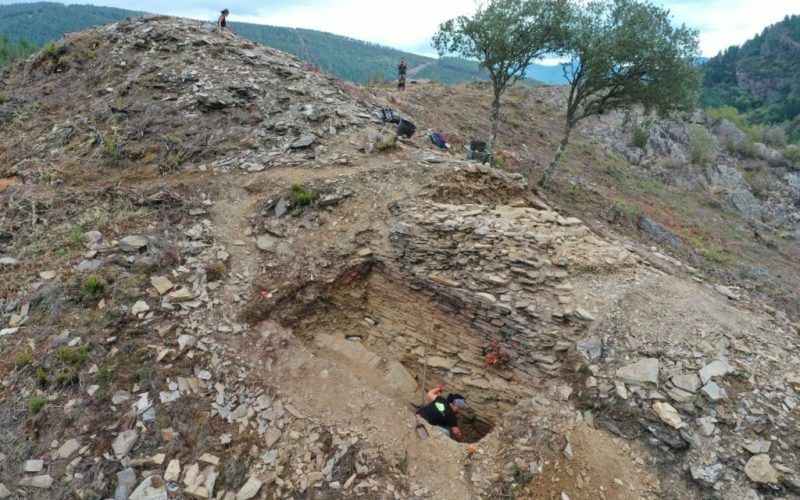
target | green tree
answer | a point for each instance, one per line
(625, 53)
(505, 36)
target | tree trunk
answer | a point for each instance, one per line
(495, 120)
(549, 173)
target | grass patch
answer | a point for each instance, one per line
(94, 287)
(75, 236)
(41, 376)
(720, 255)
(35, 404)
(74, 356)
(22, 360)
(640, 137)
(104, 382)
(2, 98)
(621, 212)
(382, 146)
(301, 197)
(67, 378)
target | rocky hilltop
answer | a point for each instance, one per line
(224, 278)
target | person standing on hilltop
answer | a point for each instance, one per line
(401, 74)
(222, 22)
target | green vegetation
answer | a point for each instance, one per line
(215, 271)
(11, 51)
(640, 137)
(702, 146)
(760, 78)
(301, 197)
(110, 147)
(22, 360)
(75, 356)
(792, 153)
(94, 287)
(75, 236)
(35, 404)
(505, 36)
(382, 146)
(624, 53)
(2, 98)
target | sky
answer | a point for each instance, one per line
(409, 24)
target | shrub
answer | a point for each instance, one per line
(110, 148)
(500, 162)
(640, 137)
(727, 113)
(215, 272)
(701, 150)
(301, 197)
(774, 136)
(2, 98)
(94, 287)
(35, 404)
(389, 145)
(792, 153)
(75, 236)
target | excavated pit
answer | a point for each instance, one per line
(373, 319)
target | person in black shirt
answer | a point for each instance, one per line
(442, 412)
(222, 22)
(401, 74)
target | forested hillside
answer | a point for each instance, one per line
(43, 22)
(347, 58)
(761, 78)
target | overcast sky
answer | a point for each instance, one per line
(409, 24)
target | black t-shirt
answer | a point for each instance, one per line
(401, 68)
(438, 412)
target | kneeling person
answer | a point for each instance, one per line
(442, 413)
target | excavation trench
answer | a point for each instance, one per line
(371, 319)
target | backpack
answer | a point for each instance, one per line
(438, 139)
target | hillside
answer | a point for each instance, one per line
(761, 77)
(225, 277)
(347, 58)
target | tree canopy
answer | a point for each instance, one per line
(625, 53)
(505, 37)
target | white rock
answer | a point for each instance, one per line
(668, 415)
(180, 295)
(44, 481)
(124, 442)
(67, 449)
(173, 472)
(8, 261)
(4, 493)
(34, 465)
(161, 284)
(139, 307)
(47, 275)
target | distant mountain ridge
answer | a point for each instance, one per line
(347, 58)
(761, 77)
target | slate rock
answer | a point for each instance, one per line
(643, 372)
(759, 470)
(152, 488)
(132, 243)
